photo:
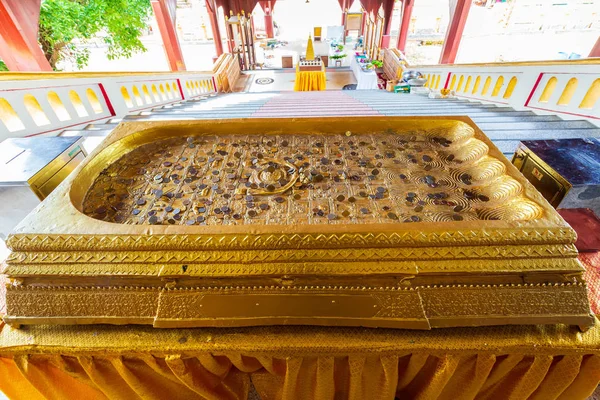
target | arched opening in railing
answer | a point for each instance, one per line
(77, 104)
(169, 93)
(437, 81)
(468, 84)
(58, 107)
(591, 96)
(476, 84)
(510, 88)
(452, 82)
(175, 88)
(9, 117)
(126, 97)
(146, 94)
(155, 93)
(498, 86)
(486, 85)
(137, 96)
(163, 95)
(548, 90)
(568, 92)
(35, 110)
(94, 102)
(460, 83)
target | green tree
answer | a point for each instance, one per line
(119, 23)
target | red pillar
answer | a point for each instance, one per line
(407, 7)
(596, 49)
(164, 10)
(19, 48)
(344, 4)
(388, 11)
(267, 7)
(269, 28)
(455, 31)
(363, 23)
(211, 7)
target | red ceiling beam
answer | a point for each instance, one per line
(19, 48)
(455, 31)
(164, 10)
(407, 7)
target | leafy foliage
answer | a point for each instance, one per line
(3, 66)
(118, 23)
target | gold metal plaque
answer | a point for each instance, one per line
(383, 222)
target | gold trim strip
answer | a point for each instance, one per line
(236, 269)
(449, 305)
(21, 76)
(296, 255)
(583, 61)
(33, 242)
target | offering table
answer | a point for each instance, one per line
(345, 222)
(310, 76)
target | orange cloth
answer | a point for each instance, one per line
(508, 362)
(303, 362)
(310, 81)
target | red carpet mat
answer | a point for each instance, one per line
(381, 80)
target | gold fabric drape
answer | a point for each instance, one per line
(138, 362)
(303, 362)
(423, 376)
(310, 80)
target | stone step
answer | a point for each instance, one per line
(518, 118)
(542, 134)
(275, 107)
(548, 125)
(93, 133)
(97, 127)
(203, 110)
(313, 113)
(455, 111)
(506, 146)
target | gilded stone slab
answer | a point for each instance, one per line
(292, 214)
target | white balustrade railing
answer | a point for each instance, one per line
(34, 104)
(569, 88)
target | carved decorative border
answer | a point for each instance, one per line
(304, 255)
(185, 268)
(34, 242)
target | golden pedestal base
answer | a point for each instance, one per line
(381, 222)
